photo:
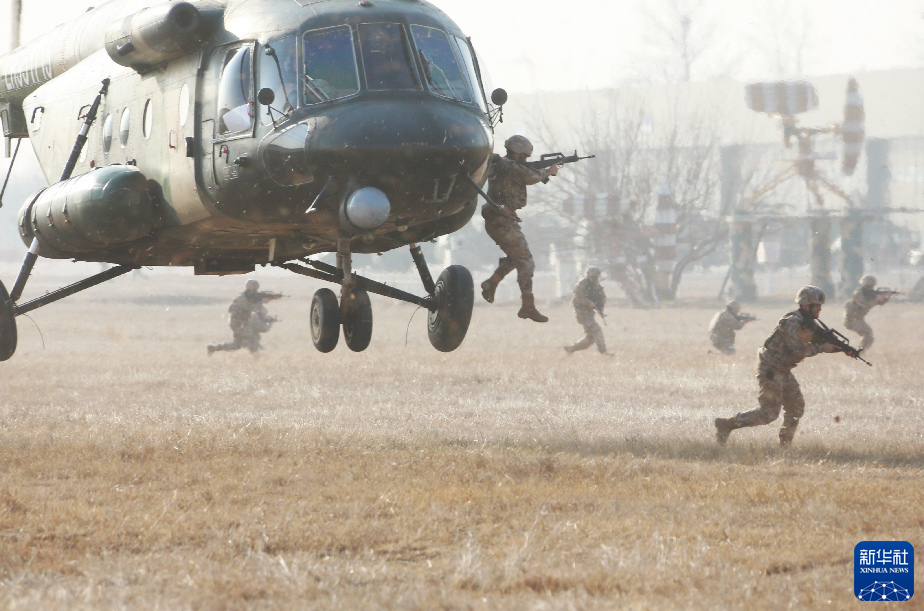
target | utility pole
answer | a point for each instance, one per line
(15, 18)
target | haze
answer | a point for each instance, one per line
(530, 45)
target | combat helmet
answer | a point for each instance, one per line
(810, 295)
(868, 282)
(592, 271)
(252, 285)
(519, 144)
(733, 306)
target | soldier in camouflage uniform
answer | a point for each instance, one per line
(790, 343)
(248, 319)
(588, 297)
(507, 188)
(724, 325)
(864, 299)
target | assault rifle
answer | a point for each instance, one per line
(743, 317)
(886, 292)
(547, 160)
(269, 296)
(599, 311)
(826, 335)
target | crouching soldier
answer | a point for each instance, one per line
(725, 324)
(790, 343)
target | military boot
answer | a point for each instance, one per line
(723, 428)
(489, 286)
(529, 309)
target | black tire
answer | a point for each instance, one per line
(356, 318)
(7, 326)
(455, 297)
(325, 320)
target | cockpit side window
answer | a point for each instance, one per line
(235, 92)
(441, 70)
(471, 69)
(279, 72)
(386, 57)
(330, 65)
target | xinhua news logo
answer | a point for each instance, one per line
(883, 571)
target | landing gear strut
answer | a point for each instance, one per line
(449, 301)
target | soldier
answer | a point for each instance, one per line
(508, 181)
(864, 299)
(790, 343)
(248, 319)
(589, 298)
(725, 324)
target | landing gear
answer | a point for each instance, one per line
(449, 301)
(325, 320)
(7, 325)
(448, 322)
(356, 317)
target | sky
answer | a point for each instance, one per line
(536, 45)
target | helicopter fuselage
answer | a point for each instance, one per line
(291, 125)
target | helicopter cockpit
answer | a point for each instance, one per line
(389, 57)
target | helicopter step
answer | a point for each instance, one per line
(449, 302)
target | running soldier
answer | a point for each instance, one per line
(588, 298)
(725, 324)
(248, 319)
(864, 299)
(790, 343)
(507, 187)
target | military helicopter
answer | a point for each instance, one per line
(236, 133)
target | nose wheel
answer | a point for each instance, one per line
(356, 318)
(7, 325)
(325, 320)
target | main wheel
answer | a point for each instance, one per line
(455, 297)
(7, 325)
(325, 320)
(356, 317)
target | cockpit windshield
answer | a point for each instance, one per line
(386, 57)
(441, 70)
(330, 65)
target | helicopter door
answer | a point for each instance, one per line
(229, 116)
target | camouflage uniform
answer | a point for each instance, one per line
(855, 311)
(722, 330)
(507, 187)
(790, 343)
(588, 297)
(248, 320)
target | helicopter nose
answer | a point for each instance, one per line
(398, 139)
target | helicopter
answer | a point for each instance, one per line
(225, 134)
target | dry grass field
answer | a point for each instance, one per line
(137, 472)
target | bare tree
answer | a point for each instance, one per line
(616, 194)
(683, 38)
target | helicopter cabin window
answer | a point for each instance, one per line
(235, 92)
(37, 118)
(147, 123)
(124, 124)
(107, 134)
(279, 72)
(386, 57)
(441, 70)
(330, 65)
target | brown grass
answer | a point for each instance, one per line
(137, 472)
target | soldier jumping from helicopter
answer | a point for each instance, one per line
(508, 181)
